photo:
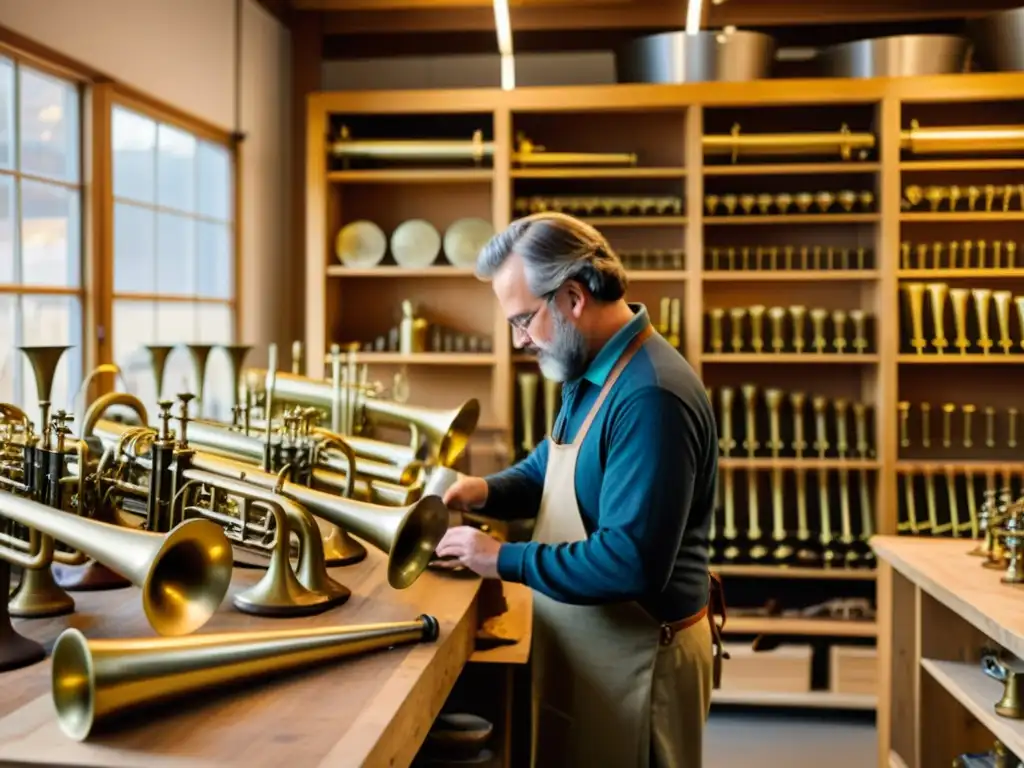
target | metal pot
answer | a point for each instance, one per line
(897, 56)
(676, 57)
(999, 40)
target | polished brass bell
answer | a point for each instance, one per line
(1010, 704)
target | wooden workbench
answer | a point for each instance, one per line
(372, 710)
(938, 608)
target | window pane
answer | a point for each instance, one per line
(8, 370)
(134, 257)
(214, 181)
(49, 125)
(215, 271)
(50, 320)
(50, 235)
(6, 113)
(7, 229)
(216, 323)
(176, 255)
(134, 327)
(134, 138)
(176, 169)
(176, 322)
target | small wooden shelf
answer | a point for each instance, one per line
(598, 173)
(953, 274)
(969, 465)
(791, 169)
(810, 699)
(808, 358)
(963, 216)
(977, 693)
(795, 218)
(961, 165)
(953, 358)
(789, 275)
(412, 176)
(793, 572)
(635, 221)
(769, 463)
(390, 270)
(655, 275)
(772, 625)
(427, 358)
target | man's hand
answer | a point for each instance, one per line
(471, 548)
(466, 494)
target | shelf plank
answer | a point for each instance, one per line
(796, 218)
(412, 176)
(777, 625)
(794, 463)
(807, 358)
(977, 693)
(972, 465)
(895, 761)
(811, 699)
(944, 569)
(598, 173)
(654, 275)
(958, 359)
(426, 358)
(635, 221)
(390, 270)
(960, 273)
(787, 169)
(963, 216)
(790, 275)
(794, 572)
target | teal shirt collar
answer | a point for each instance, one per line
(601, 366)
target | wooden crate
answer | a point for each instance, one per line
(853, 669)
(786, 669)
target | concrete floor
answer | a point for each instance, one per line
(780, 738)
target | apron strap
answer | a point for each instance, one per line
(620, 364)
(716, 605)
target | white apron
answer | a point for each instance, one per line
(610, 686)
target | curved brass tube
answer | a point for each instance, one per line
(103, 402)
(11, 412)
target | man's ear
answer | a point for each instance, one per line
(577, 298)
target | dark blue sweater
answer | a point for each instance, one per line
(645, 486)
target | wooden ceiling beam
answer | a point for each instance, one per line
(436, 5)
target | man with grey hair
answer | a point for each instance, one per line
(623, 492)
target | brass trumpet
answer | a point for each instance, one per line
(447, 431)
(94, 680)
(183, 575)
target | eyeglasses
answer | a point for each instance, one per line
(523, 322)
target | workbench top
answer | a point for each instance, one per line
(371, 710)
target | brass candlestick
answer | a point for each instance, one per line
(717, 315)
(1002, 300)
(805, 553)
(757, 327)
(947, 424)
(757, 550)
(926, 425)
(819, 404)
(729, 531)
(937, 292)
(737, 314)
(773, 399)
(777, 315)
(798, 400)
(818, 317)
(727, 442)
(798, 313)
(860, 420)
(915, 299)
(968, 411)
(839, 323)
(981, 302)
(825, 525)
(842, 443)
(904, 416)
(782, 550)
(860, 339)
(850, 554)
(958, 298)
(750, 443)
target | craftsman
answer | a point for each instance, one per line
(623, 494)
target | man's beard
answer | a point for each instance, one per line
(567, 356)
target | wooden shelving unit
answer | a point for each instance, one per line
(664, 126)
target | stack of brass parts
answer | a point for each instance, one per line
(415, 335)
(944, 499)
(603, 205)
(475, 149)
(842, 144)
(988, 198)
(997, 757)
(965, 431)
(786, 257)
(1001, 528)
(769, 423)
(654, 258)
(837, 331)
(832, 525)
(932, 330)
(784, 203)
(527, 384)
(965, 254)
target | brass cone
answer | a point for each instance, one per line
(183, 574)
(200, 356)
(94, 680)
(16, 650)
(44, 361)
(158, 355)
(237, 353)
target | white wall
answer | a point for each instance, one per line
(182, 52)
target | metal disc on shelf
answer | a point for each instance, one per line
(415, 244)
(464, 240)
(361, 244)
(897, 56)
